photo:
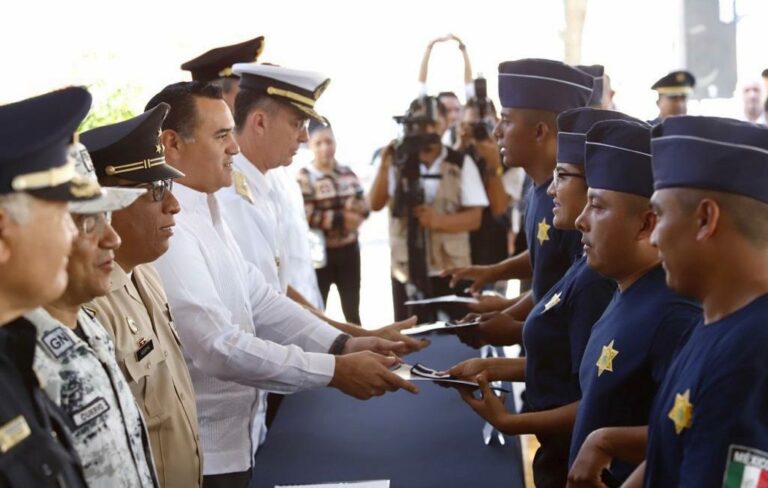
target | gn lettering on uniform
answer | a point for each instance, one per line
(91, 411)
(58, 341)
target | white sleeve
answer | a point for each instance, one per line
(469, 90)
(472, 189)
(422, 90)
(216, 344)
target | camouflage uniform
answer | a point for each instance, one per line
(84, 379)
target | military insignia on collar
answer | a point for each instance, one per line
(241, 186)
(543, 234)
(13, 432)
(552, 301)
(58, 341)
(605, 361)
(682, 411)
(89, 310)
(746, 467)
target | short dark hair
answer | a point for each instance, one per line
(749, 216)
(248, 100)
(446, 94)
(421, 104)
(474, 102)
(182, 117)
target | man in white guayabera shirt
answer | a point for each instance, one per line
(241, 337)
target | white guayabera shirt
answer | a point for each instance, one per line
(238, 334)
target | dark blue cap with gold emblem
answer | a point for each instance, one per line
(301, 89)
(543, 84)
(711, 153)
(675, 83)
(618, 157)
(131, 149)
(35, 135)
(572, 128)
(217, 63)
(596, 71)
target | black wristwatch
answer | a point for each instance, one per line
(338, 344)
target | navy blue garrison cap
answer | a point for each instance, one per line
(596, 71)
(35, 135)
(131, 149)
(618, 157)
(543, 84)
(711, 153)
(572, 127)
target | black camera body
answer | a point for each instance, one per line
(481, 130)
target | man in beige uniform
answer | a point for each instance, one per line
(136, 311)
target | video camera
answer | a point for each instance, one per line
(481, 130)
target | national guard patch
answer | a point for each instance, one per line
(747, 468)
(91, 411)
(58, 341)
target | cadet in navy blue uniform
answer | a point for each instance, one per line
(557, 329)
(632, 344)
(532, 93)
(36, 232)
(709, 423)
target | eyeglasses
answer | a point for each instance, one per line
(557, 176)
(89, 224)
(156, 188)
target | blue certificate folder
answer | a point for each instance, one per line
(432, 439)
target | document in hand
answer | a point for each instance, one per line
(438, 328)
(442, 299)
(419, 372)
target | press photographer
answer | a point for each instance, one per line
(435, 195)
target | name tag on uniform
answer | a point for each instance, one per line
(145, 350)
(13, 432)
(91, 411)
(58, 341)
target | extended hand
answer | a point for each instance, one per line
(366, 374)
(392, 332)
(482, 275)
(375, 344)
(490, 407)
(499, 330)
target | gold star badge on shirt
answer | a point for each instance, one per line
(543, 234)
(682, 412)
(552, 301)
(605, 362)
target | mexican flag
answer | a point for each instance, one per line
(747, 468)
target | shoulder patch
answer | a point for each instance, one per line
(58, 341)
(241, 186)
(746, 467)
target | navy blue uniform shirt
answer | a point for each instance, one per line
(35, 446)
(552, 250)
(627, 356)
(709, 423)
(556, 333)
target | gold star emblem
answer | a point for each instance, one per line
(605, 362)
(682, 412)
(159, 148)
(552, 301)
(543, 234)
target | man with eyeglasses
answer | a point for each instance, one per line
(75, 357)
(135, 312)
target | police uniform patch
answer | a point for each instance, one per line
(605, 361)
(58, 341)
(747, 467)
(92, 411)
(13, 432)
(681, 413)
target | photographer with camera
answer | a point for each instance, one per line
(435, 196)
(489, 243)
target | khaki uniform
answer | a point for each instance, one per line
(136, 314)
